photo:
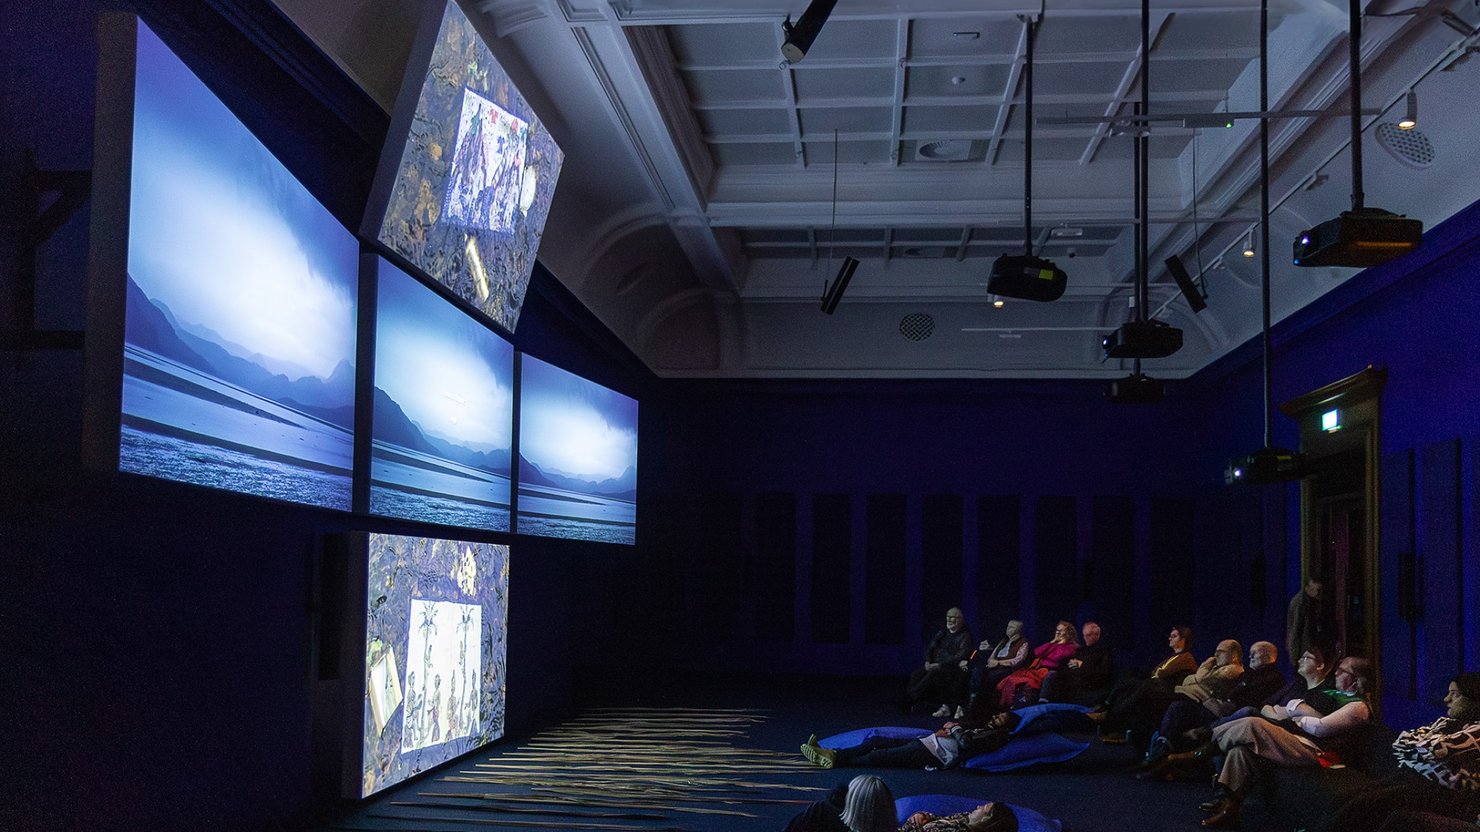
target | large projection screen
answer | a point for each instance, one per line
(467, 173)
(577, 457)
(233, 364)
(436, 642)
(443, 410)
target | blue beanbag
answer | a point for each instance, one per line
(848, 739)
(950, 804)
(1052, 716)
(1027, 751)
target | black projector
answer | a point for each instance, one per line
(1027, 278)
(1136, 388)
(1361, 238)
(1143, 339)
(1264, 466)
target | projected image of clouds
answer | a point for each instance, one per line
(240, 315)
(473, 178)
(436, 641)
(443, 413)
(577, 457)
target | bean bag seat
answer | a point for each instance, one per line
(1027, 751)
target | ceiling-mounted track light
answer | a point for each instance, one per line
(798, 38)
(997, 302)
(1363, 236)
(1249, 250)
(1410, 112)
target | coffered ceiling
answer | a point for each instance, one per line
(711, 189)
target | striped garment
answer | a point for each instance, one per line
(1446, 752)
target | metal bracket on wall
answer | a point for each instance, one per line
(69, 190)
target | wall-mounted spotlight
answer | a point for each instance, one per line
(997, 303)
(798, 38)
(834, 291)
(1410, 113)
(1249, 243)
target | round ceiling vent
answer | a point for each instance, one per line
(944, 150)
(916, 326)
(1410, 147)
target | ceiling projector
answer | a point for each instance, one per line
(1264, 466)
(1136, 388)
(1143, 339)
(1027, 277)
(1361, 238)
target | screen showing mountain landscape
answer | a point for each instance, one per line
(436, 642)
(577, 457)
(240, 316)
(443, 412)
(475, 177)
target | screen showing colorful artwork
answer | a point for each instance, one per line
(436, 637)
(577, 457)
(474, 178)
(444, 410)
(239, 332)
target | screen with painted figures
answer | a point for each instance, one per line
(443, 410)
(436, 639)
(464, 186)
(577, 457)
(239, 330)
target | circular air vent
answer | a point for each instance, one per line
(1410, 147)
(916, 326)
(943, 150)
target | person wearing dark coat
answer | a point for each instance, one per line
(1260, 680)
(940, 679)
(1127, 697)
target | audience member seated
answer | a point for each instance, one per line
(988, 817)
(950, 746)
(1299, 733)
(1047, 657)
(863, 804)
(940, 679)
(1260, 680)
(1438, 767)
(1085, 677)
(1125, 696)
(991, 663)
(1214, 677)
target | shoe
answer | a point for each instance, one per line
(1157, 751)
(1215, 805)
(812, 740)
(1095, 716)
(1116, 738)
(819, 756)
(960, 713)
(944, 712)
(1228, 818)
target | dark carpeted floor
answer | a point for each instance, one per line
(772, 716)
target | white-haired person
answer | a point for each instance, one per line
(863, 804)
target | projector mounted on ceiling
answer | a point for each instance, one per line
(1136, 388)
(1027, 277)
(1361, 238)
(1264, 466)
(1143, 339)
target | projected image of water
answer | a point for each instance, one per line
(577, 457)
(443, 413)
(239, 320)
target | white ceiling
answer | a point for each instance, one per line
(695, 214)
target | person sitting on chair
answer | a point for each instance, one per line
(1299, 733)
(939, 679)
(1260, 679)
(991, 663)
(1086, 672)
(1126, 696)
(1048, 656)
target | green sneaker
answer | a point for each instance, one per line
(818, 756)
